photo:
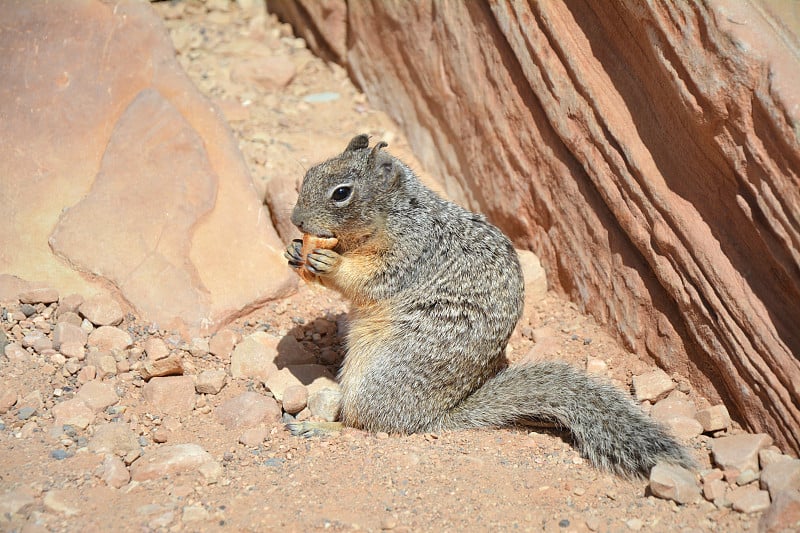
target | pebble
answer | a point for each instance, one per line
(675, 483)
(634, 524)
(73, 350)
(174, 395)
(169, 459)
(323, 97)
(72, 412)
(739, 451)
(194, 513)
(254, 436)
(199, 346)
(16, 353)
(113, 438)
(59, 454)
(97, 395)
(784, 475)
(28, 310)
(748, 499)
(714, 418)
(254, 357)
(325, 404)
(211, 381)
(222, 343)
(42, 295)
(771, 455)
(295, 399)
(69, 304)
(25, 413)
(65, 332)
(247, 410)
(171, 365)
(155, 348)
(596, 366)
(652, 386)
(314, 377)
(102, 311)
(114, 472)
(110, 339)
(783, 515)
(8, 398)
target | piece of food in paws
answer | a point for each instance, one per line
(311, 243)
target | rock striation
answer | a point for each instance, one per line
(649, 155)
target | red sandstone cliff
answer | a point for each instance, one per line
(648, 153)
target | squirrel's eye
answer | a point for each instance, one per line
(341, 194)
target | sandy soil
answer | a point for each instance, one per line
(482, 480)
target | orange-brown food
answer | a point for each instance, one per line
(310, 243)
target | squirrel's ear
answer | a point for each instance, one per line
(385, 164)
(358, 142)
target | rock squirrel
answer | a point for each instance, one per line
(436, 292)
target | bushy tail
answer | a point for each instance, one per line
(608, 427)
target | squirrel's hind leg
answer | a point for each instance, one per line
(314, 429)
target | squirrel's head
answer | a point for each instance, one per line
(349, 195)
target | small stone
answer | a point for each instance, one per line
(199, 346)
(168, 460)
(8, 397)
(314, 377)
(42, 295)
(672, 407)
(634, 524)
(596, 366)
(714, 489)
(73, 350)
(254, 436)
(160, 435)
(59, 455)
(652, 386)
(113, 438)
(675, 483)
(222, 343)
(194, 513)
(171, 365)
(211, 381)
(748, 499)
(66, 332)
(746, 477)
(73, 412)
(715, 418)
(684, 427)
(155, 348)
(593, 523)
(247, 410)
(114, 472)
(25, 413)
(771, 455)
(272, 73)
(295, 399)
(254, 357)
(110, 339)
(784, 475)
(69, 304)
(173, 395)
(102, 311)
(16, 353)
(325, 404)
(211, 472)
(97, 395)
(739, 451)
(87, 374)
(783, 515)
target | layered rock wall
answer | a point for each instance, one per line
(648, 152)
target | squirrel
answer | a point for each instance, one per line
(436, 292)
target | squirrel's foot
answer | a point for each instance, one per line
(293, 253)
(314, 429)
(322, 261)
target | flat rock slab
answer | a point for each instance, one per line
(171, 459)
(146, 189)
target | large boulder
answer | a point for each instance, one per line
(117, 173)
(648, 154)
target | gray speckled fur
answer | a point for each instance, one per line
(432, 312)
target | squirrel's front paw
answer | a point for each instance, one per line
(293, 253)
(322, 261)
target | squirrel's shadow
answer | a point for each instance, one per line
(313, 349)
